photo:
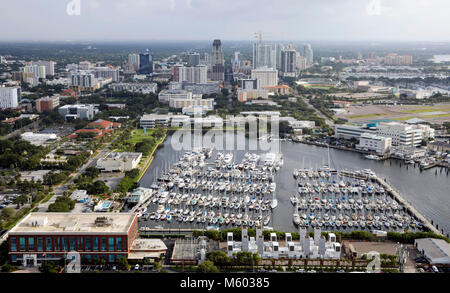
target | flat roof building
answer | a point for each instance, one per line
(119, 162)
(437, 251)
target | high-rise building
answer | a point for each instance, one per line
(308, 54)
(264, 55)
(9, 97)
(267, 76)
(289, 61)
(217, 62)
(38, 71)
(279, 50)
(196, 74)
(395, 59)
(133, 61)
(145, 63)
(83, 80)
(49, 66)
(301, 62)
(193, 59)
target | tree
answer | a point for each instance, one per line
(207, 267)
(98, 187)
(62, 204)
(21, 200)
(219, 258)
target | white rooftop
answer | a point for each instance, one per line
(71, 223)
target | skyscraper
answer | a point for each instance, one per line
(133, 61)
(145, 63)
(279, 50)
(289, 61)
(193, 59)
(264, 55)
(217, 62)
(308, 54)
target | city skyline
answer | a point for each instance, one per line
(377, 20)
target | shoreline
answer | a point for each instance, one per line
(150, 158)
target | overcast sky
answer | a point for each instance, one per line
(315, 20)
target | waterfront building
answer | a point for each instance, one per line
(217, 62)
(150, 121)
(77, 111)
(401, 134)
(9, 97)
(41, 237)
(267, 76)
(119, 162)
(436, 251)
(349, 131)
(371, 142)
(47, 103)
(307, 247)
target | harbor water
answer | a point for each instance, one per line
(427, 191)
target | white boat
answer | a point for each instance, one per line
(274, 203)
(372, 157)
(296, 219)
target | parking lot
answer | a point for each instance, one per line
(6, 200)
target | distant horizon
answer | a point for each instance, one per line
(184, 20)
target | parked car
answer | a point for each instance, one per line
(136, 267)
(434, 269)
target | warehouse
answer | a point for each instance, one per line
(437, 251)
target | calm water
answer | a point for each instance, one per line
(427, 192)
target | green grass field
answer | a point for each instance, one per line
(425, 110)
(364, 116)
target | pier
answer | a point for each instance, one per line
(397, 196)
(408, 206)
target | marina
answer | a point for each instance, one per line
(204, 191)
(332, 199)
(425, 191)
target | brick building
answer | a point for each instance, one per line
(50, 236)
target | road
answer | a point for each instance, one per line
(328, 121)
(59, 190)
